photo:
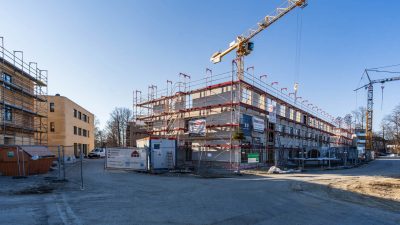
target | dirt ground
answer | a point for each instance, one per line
(382, 187)
(371, 180)
(364, 195)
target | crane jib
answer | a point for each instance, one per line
(242, 40)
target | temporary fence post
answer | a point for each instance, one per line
(19, 170)
(105, 160)
(82, 170)
(23, 163)
(63, 161)
(59, 163)
(329, 152)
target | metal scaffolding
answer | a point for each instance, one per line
(23, 100)
(221, 99)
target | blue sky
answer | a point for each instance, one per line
(98, 52)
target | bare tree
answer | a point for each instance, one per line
(111, 133)
(116, 126)
(359, 116)
(387, 128)
(395, 122)
(339, 121)
(101, 138)
(99, 134)
(391, 128)
(347, 119)
(127, 116)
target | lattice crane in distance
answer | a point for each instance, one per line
(370, 102)
(244, 46)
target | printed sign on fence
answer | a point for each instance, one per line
(126, 158)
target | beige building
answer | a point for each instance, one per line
(70, 125)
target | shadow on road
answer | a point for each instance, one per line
(135, 198)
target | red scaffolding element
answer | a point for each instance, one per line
(180, 93)
(228, 104)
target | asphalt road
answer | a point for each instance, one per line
(118, 197)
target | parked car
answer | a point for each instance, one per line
(97, 153)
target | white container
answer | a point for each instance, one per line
(162, 152)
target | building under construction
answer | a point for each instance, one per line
(234, 122)
(236, 119)
(23, 102)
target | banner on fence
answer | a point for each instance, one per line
(126, 158)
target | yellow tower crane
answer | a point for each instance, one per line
(244, 46)
(370, 103)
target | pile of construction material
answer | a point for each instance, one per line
(277, 170)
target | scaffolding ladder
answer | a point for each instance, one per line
(170, 160)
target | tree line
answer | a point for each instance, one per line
(354, 120)
(387, 134)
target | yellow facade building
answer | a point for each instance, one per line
(69, 125)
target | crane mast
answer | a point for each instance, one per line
(244, 46)
(370, 103)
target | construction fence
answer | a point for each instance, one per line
(280, 157)
(68, 168)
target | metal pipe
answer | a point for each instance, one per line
(23, 164)
(209, 71)
(82, 188)
(63, 160)
(59, 163)
(2, 91)
(29, 67)
(40, 74)
(2, 47)
(22, 68)
(136, 102)
(205, 104)
(247, 70)
(264, 75)
(239, 65)
(133, 105)
(18, 163)
(185, 76)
